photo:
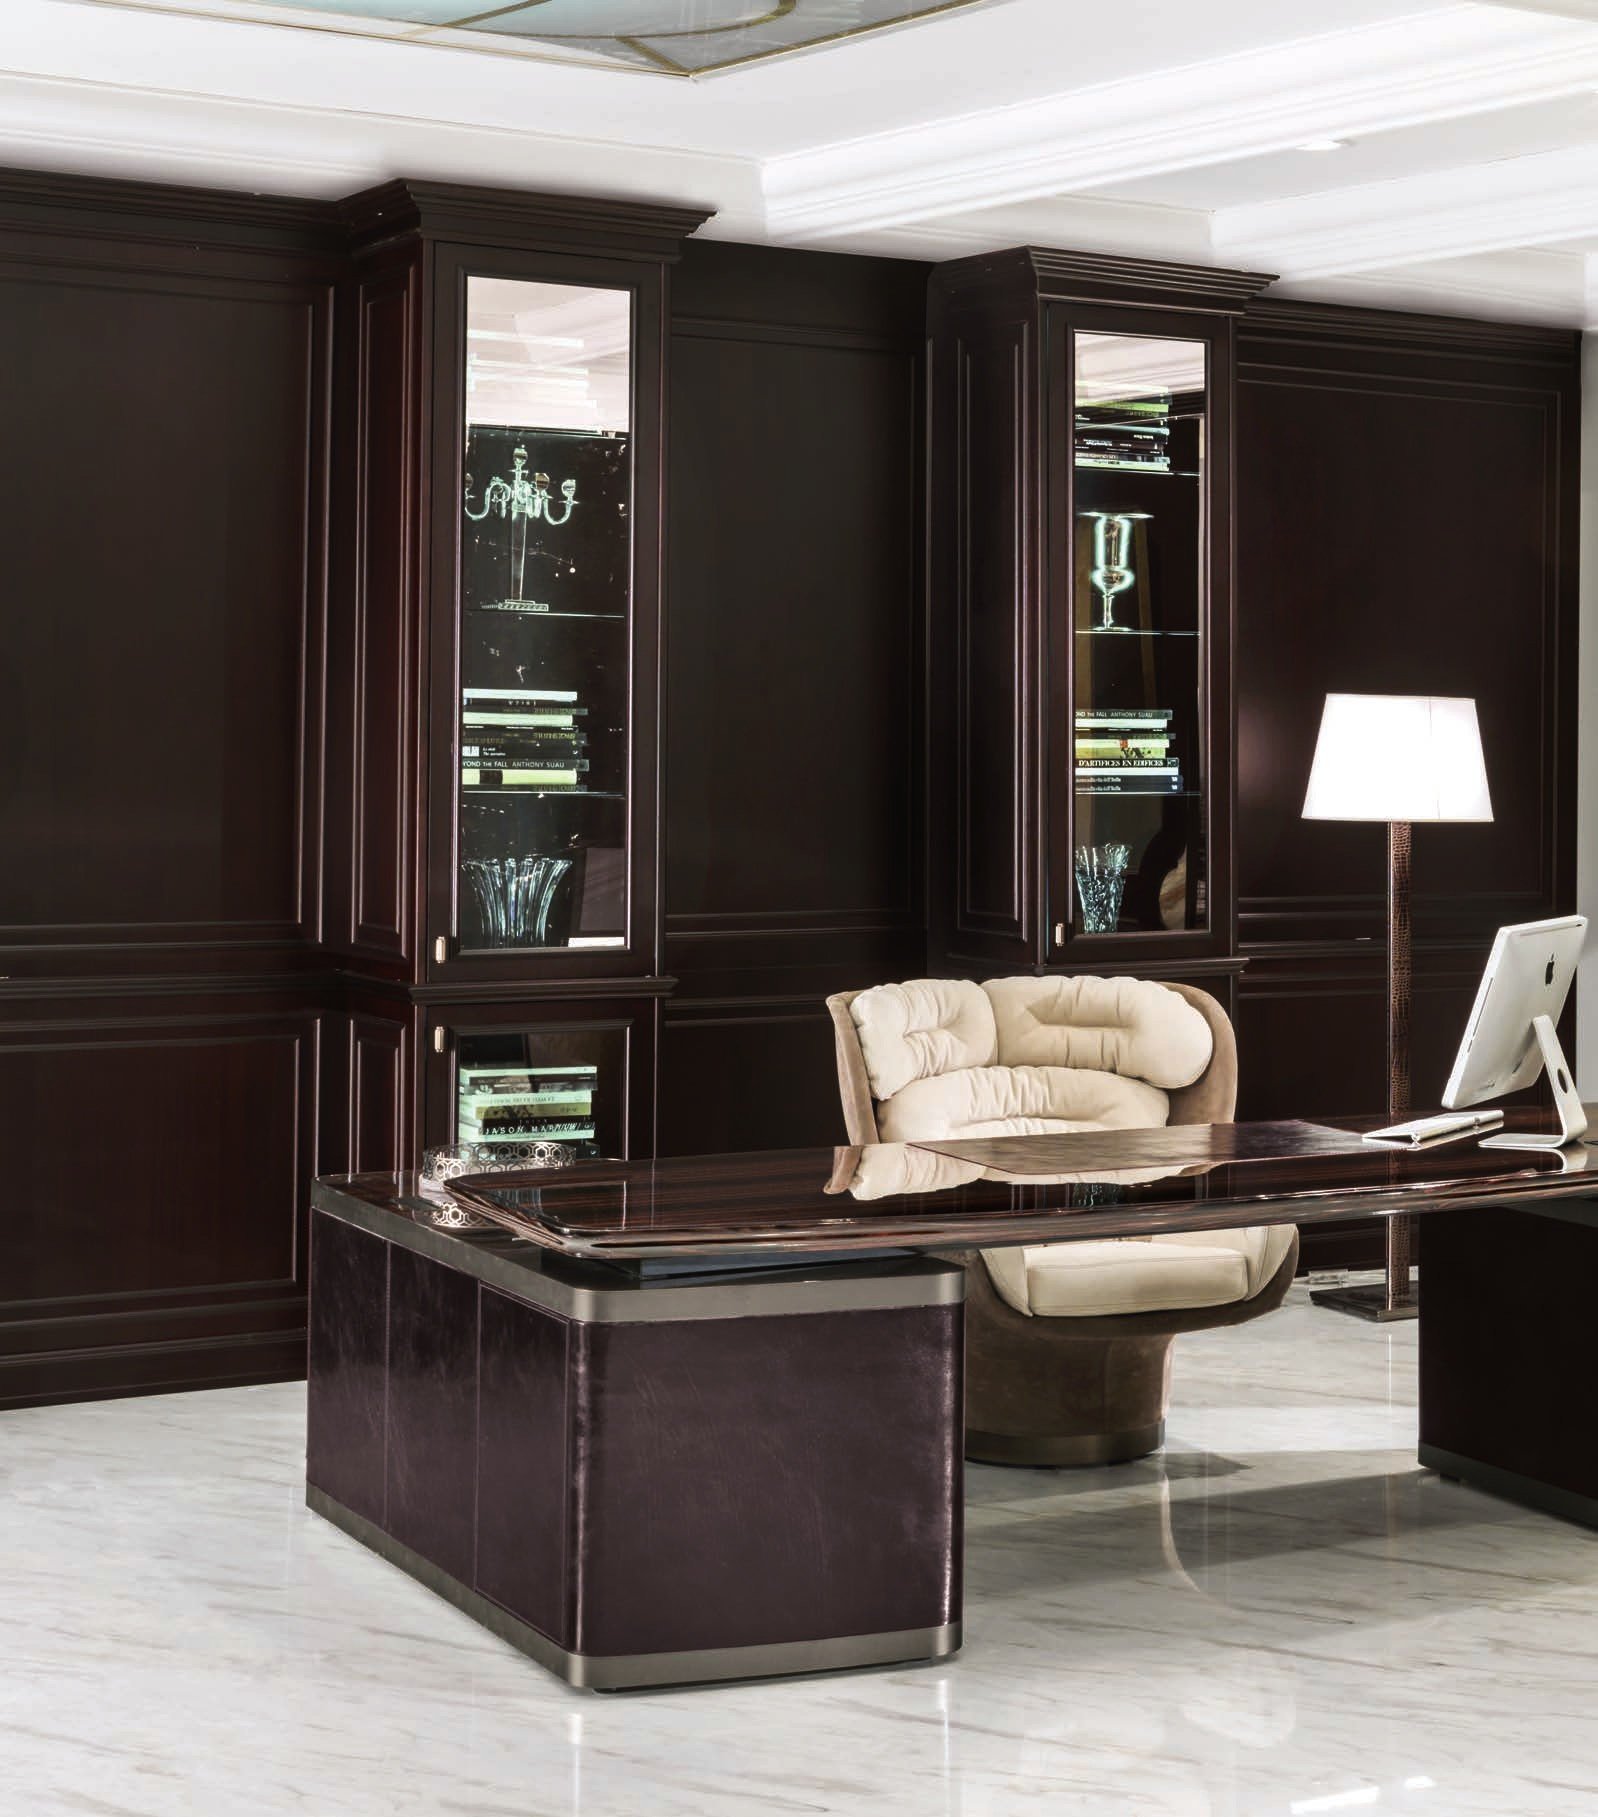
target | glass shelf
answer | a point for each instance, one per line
(1083, 794)
(1131, 631)
(474, 793)
(1141, 472)
(514, 615)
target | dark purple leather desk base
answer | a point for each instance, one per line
(644, 1485)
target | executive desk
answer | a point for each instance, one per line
(666, 1422)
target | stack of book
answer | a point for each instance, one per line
(1126, 751)
(527, 1103)
(522, 738)
(1129, 437)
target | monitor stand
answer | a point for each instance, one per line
(1572, 1118)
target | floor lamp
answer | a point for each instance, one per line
(1397, 758)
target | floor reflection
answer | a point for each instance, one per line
(1280, 1614)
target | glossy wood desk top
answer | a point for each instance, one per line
(1002, 1191)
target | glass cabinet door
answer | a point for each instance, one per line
(545, 617)
(565, 1085)
(1139, 851)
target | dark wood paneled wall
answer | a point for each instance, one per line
(178, 1007)
(793, 849)
(165, 408)
(1406, 500)
(221, 691)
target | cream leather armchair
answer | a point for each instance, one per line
(1068, 1344)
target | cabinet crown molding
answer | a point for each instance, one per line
(1095, 277)
(114, 208)
(515, 218)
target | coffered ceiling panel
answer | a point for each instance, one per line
(672, 37)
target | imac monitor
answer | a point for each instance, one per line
(1511, 1035)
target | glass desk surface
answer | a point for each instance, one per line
(989, 1193)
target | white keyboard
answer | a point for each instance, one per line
(1451, 1126)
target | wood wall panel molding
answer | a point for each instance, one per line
(995, 582)
(1269, 923)
(1406, 509)
(87, 209)
(742, 963)
(386, 705)
(711, 1010)
(171, 381)
(796, 522)
(106, 1369)
(532, 993)
(785, 334)
(378, 1106)
(839, 339)
(1418, 338)
(772, 1064)
(1360, 459)
(155, 641)
(764, 924)
(189, 1255)
(794, 844)
(792, 807)
(1315, 1045)
(114, 984)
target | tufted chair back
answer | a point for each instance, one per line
(1067, 1344)
(941, 1057)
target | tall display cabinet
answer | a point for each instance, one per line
(1080, 724)
(494, 883)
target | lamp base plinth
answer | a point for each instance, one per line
(1372, 1301)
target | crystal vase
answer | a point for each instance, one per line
(1100, 882)
(514, 896)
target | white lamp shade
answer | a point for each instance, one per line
(1398, 757)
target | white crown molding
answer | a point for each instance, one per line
(1537, 200)
(1439, 65)
(1536, 286)
(1074, 223)
(92, 128)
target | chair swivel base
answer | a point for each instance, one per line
(1078, 1450)
(1371, 1301)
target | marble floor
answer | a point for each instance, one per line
(1282, 1614)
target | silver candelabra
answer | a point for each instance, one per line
(522, 499)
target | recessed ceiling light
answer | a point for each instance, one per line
(1322, 145)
